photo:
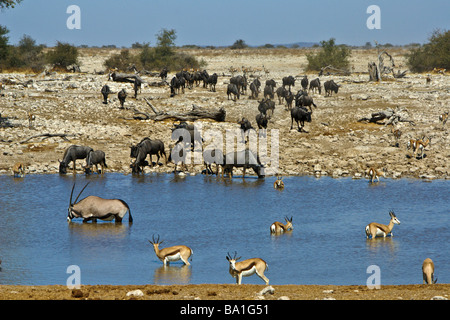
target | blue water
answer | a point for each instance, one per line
(214, 217)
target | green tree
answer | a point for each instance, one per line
(63, 55)
(239, 44)
(3, 43)
(330, 54)
(9, 3)
(434, 54)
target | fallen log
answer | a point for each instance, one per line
(196, 113)
(393, 117)
(125, 77)
(49, 135)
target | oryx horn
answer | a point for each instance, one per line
(78, 194)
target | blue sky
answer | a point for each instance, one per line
(221, 22)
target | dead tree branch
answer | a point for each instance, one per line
(49, 135)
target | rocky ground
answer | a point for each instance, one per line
(226, 292)
(336, 145)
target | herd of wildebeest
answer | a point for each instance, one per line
(299, 104)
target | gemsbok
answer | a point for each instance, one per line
(428, 271)
(93, 208)
(278, 227)
(375, 229)
(173, 253)
(247, 268)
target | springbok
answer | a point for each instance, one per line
(93, 208)
(31, 118)
(18, 169)
(428, 271)
(278, 184)
(397, 134)
(375, 229)
(247, 268)
(421, 144)
(443, 118)
(278, 227)
(374, 174)
(173, 253)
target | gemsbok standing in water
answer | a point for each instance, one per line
(381, 230)
(278, 227)
(173, 253)
(93, 208)
(247, 268)
(428, 271)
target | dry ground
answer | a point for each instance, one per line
(225, 292)
(336, 145)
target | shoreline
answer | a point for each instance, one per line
(226, 292)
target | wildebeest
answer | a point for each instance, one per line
(281, 94)
(261, 121)
(268, 92)
(183, 129)
(315, 84)
(271, 83)
(239, 82)
(302, 115)
(95, 158)
(304, 82)
(178, 155)
(92, 208)
(163, 74)
(105, 92)
(211, 156)
(302, 99)
(232, 89)
(137, 86)
(288, 81)
(146, 147)
(254, 88)
(212, 81)
(175, 86)
(73, 153)
(330, 86)
(265, 105)
(242, 159)
(122, 95)
(289, 98)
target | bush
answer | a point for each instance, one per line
(162, 55)
(239, 44)
(330, 54)
(435, 54)
(63, 55)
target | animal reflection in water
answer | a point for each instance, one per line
(92, 208)
(172, 275)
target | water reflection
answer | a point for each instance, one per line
(381, 243)
(172, 274)
(94, 231)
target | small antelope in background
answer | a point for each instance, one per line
(247, 268)
(374, 174)
(428, 271)
(375, 229)
(173, 253)
(31, 118)
(443, 118)
(421, 144)
(397, 134)
(18, 169)
(278, 227)
(279, 184)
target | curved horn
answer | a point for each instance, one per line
(81, 191)
(71, 193)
